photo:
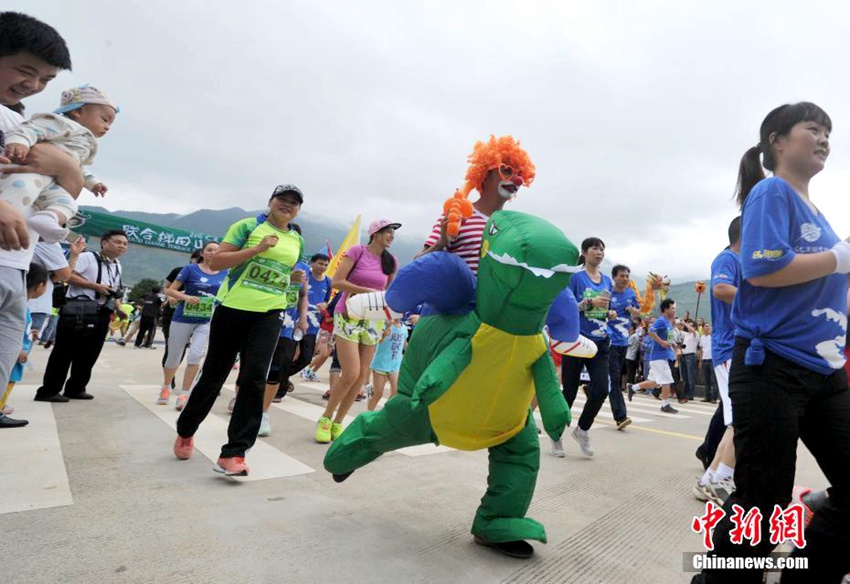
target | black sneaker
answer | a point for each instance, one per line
(7, 422)
(631, 393)
(668, 409)
(656, 393)
(515, 549)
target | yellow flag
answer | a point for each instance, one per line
(351, 239)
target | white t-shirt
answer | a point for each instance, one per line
(51, 257)
(690, 340)
(110, 274)
(705, 345)
(16, 259)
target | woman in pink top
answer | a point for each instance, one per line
(364, 268)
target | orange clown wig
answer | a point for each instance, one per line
(486, 156)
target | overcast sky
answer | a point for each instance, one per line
(636, 114)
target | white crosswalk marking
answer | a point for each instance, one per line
(265, 461)
(33, 472)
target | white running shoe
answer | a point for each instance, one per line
(181, 402)
(265, 426)
(720, 490)
(583, 439)
(703, 492)
(557, 449)
(370, 391)
(305, 373)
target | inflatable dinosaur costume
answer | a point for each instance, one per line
(468, 377)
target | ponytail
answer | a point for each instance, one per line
(778, 122)
(387, 263)
(750, 172)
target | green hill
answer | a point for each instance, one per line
(148, 262)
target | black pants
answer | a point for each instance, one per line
(147, 330)
(713, 436)
(616, 359)
(597, 368)
(76, 350)
(773, 405)
(631, 370)
(251, 335)
(284, 365)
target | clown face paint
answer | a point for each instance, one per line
(507, 189)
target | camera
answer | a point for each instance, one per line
(112, 296)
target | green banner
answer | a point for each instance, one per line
(95, 224)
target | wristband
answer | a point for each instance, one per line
(841, 251)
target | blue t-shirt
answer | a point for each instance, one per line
(664, 330)
(618, 329)
(725, 269)
(318, 292)
(291, 314)
(592, 323)
(388, 354)
(805, 323)
(205, 286)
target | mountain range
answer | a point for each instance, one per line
(147, 262)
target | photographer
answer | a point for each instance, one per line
(84, 320)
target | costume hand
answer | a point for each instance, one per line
(100, 189)
(14, 234)
(268, 242)
(16, 152)
(193, 300)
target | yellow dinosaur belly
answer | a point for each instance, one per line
(488, 403)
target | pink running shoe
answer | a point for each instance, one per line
(181, 402)
(233, 466)
(183, 447)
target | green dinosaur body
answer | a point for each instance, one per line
(468, 381)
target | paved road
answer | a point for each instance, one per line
(92, 494)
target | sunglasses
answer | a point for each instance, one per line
(507, 172)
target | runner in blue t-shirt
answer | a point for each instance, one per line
(195, 287)
(592, 289)
(662, 334)
(787, 379)
(624, 304)
(716, 483)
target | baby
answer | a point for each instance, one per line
(85, 114)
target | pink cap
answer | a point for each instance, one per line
(378, 224)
